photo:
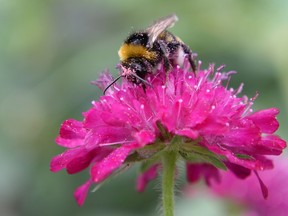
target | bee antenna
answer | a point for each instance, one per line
(144, 81)
(111, 84)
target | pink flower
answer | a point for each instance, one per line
(197, 116)
(245, 192)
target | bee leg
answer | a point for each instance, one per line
(144, 87)
(167, 67)
(188, 52)
(167, 64)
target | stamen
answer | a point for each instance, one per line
(163, 93)
(221, 67)
(179, 110)
(115, 143)
(240, 88)
(144, 81)
(199, 65)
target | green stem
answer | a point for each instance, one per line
(169, 164)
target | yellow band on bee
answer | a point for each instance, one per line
(130, 50)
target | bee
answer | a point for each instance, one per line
(143, 51)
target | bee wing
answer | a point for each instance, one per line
(159, 26)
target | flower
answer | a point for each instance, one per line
(243, 193)
(196, 116)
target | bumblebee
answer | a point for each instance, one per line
(142, 51)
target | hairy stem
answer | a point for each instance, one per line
(169, 165)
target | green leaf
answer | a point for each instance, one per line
(145, 153)
(166, 135)
(145, 165)
(243, 156)
(134, 157)
(211, 158)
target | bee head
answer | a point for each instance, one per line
(135, 70)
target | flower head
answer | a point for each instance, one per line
(243, 192)
(196, 116)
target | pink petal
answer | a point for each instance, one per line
(213, 126)
(144, 137)
(264, 188)
(72, 129)
(107, 134)
(200, 109)
(83, 159)
(60, 161)
(268, 145)
(244, 136)
(188, 133)
(114, 160)
(79, 163)
(257, 163)
(240, 171)
(193, 172)
(147, 176)
(266, 120)
(118, 119)
(80, 193)
(93, 117)
(196, 171)
(272, 144)
(71, 134)
(69, 143)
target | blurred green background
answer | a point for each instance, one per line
(51, 50)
